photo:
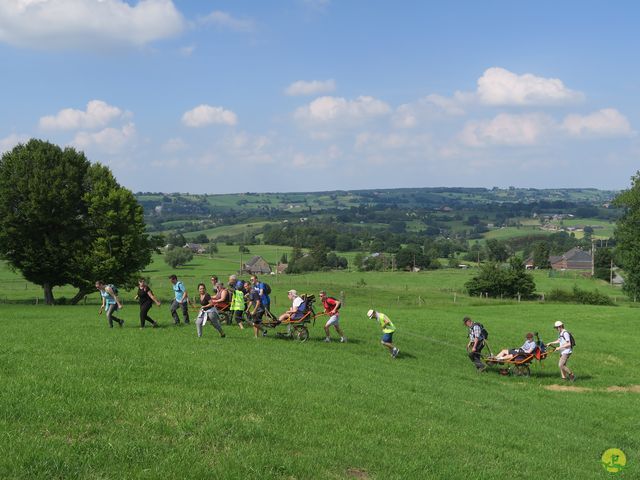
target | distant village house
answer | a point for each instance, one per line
(195, 247)
(574, 259)
(256, 266)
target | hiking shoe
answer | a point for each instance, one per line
(572, 377)
(264, 333)
(223, 335)
(343, 340)
(395, 352)
(482, 369)
(327, 340)
(121, 323)
(155, 324)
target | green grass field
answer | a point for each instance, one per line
(80, 400)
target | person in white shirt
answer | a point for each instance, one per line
(296, 301)
(527, 347)
(564, 347)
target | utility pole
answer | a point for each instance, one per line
(593, 257)
(611, 273)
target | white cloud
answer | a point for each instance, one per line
(204, 115)
(451, 106)
(86, 24)
(226, 20)
(313, 87)
(7, 143)
(98, 114)
(110, 140)
(607, 122)
(410, 115)
(325, 110)
(507, 129)
(174, 145)
(498, 86)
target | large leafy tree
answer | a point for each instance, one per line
(497, 281)
(627, 235)
(42, 215)
(119, 247)
(66, 221)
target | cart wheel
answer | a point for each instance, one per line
(302, 334)
(522, 371)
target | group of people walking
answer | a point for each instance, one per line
(246, 302)
(478, 336)
(250, 302)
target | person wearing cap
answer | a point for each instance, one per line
(565, 348)
(388, 328)
(296, 301)
(180, 301)
(331, 307)
(527, 347)
(476, 343)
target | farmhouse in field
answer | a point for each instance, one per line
(574, 259)
(195, 247)
(257, 265)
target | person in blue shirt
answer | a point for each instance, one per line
(264, 296)
(180, 301)
(110, 303)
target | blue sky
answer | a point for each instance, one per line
(299, 95)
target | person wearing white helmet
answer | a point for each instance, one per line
(565, 344)
(388, 328)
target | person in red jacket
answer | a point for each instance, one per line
(331, 308)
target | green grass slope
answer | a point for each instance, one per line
(80, 400)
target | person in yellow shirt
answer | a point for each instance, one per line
(388, 328)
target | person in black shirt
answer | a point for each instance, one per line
(146, 298)
(208, 312)
(255, 310)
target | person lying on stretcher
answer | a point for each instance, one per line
(527, 347)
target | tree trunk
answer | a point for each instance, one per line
(48, 294)
(79, 296)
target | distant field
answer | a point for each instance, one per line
(238, 229)
(510, 232)
(602, 229)
(82, 401)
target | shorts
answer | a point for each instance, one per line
(333, 320)
(387, 337)
(256, 318)
(515, 351)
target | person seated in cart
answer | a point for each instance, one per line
(294, 312)
(527, 347)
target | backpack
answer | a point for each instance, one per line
(266, 288)
(113, 288)
(483, 331)
(571, 339)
